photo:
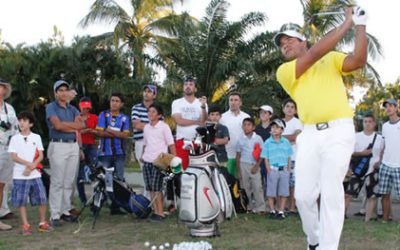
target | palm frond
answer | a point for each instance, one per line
(106, 11)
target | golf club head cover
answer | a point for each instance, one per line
(359, 16)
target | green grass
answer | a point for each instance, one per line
(248, 231)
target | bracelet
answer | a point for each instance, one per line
(203, 107)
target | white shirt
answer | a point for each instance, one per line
(25, 149)
(292, 126)
(10, 116)
(234, 124)
(391, 137)
(362, 142)
(189, 111)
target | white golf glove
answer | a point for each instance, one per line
(359, 16)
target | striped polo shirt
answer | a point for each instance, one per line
(139, 112)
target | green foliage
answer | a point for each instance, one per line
(316, 26)
(217, 51)
(374, 98)
(92, 70)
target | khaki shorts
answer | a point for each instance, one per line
(6, 166)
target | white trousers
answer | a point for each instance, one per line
(64, 163)
(322, 161)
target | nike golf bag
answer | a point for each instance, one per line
(205, 197)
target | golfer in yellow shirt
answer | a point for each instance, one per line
(313, 78)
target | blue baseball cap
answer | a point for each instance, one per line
(390, 101)
(153, 88)
(60, 83)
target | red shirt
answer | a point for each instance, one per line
(91, 122)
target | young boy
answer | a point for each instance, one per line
(248, 167)
(276, 152)
(88, 144)
(158, 139)
(292, 130)
(221, 134)
(113, 128)
(26, 151)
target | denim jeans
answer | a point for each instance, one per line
(90, 158)
(118, 162)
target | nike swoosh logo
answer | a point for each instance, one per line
(205, 191)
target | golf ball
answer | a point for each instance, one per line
(161, 247)
(147, 244)
(153, 247)
(166, 244)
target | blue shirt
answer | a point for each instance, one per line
(139, 112)
(64, 114)
(112, 146)
(277, 152)
(245, 147)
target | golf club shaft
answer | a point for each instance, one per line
(329, 13)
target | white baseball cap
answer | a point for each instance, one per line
(266, 108)
(289, 29)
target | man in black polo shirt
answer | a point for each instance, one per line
(63, 120)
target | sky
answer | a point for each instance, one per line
(29, 22)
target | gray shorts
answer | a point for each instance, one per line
(278, 183)
(6, 166)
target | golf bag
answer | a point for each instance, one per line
(239, 196)
(107, 185)
(205, 197)
(127, 199)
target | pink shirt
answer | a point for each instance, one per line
(156, 139)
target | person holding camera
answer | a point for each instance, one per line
(8, 127)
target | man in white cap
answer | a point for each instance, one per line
(8, 127)
(313, 79)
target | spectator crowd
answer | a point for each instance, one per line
(259, 151)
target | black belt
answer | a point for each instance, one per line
(279, 168)
(63, 140)
(322, 125)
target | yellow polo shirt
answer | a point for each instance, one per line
(320, 93)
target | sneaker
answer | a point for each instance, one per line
(68, 218)
(272, 214)
(156, 218)
(4, 227)
(75, 212)
(280, 215)
(360, 214)
(171, 208)
(313, 247)
(55, 223)
(7, 216)
(26, 230)
(45, 227)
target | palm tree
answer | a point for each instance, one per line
(209, 49)
(137, 31)
(315, 26)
